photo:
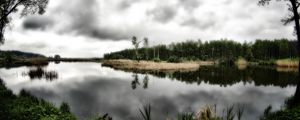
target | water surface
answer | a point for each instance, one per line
(91, 89)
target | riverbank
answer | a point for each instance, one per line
(24, 62)
(155, 66)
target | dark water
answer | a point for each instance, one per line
(91, 89)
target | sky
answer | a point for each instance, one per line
(91, 28)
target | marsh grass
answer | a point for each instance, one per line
(288, 63)
(206, 113)
(146, 112)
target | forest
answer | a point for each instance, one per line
(213, 50)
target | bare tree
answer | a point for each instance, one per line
(7, 7)
(136, 44)
(146, 45)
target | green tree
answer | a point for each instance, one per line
(7, 7)
(293, 6)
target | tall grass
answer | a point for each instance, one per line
(206, 113)
(146, 112)
(287, 63)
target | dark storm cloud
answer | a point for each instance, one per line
(127, 4)
(84, 20)
(190, 4)
(37, 23)
(201, 25)
(163, 14)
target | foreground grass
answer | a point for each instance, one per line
(27, 107)
(287, 114)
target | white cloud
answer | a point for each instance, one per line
(88, 26)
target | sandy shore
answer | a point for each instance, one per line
(155, 66)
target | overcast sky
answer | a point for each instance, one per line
(90, 28)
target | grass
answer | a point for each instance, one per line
(287, 114)
(146, 112)
(206, 113)
(288, 63)
(27, 107)
(154, 66)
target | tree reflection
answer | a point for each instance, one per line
(40, 73)
(294, 101)
(289, 112)
(225, 76)
(297, 95)
(135, 82)
(145, 81)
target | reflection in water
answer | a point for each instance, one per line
(135, 82)
(225, 76)
(289, 111)
(145, 81)
(40, 73)
(90, 89)
(294, 101)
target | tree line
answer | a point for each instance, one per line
(213, 50)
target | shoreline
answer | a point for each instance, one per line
(150, 66)
(190, 66)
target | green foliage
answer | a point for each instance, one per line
(8, 58)
(287, 114)
(174, 59)
(156, 60)
(65, 108)
(28, 107)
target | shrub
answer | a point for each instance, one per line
(156, 60)
(65, 108)
(174, 59)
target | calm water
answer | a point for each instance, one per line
(91, 89)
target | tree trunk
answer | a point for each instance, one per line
(296, 101)
(296, 15)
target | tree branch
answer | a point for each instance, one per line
(11, 10)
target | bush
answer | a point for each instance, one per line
(227, 61)
(28, 107)
(65, 108)
(156, 60)
(267, 63)
(288, 114)
(174, 59)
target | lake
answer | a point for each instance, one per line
(91, 89)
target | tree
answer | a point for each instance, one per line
(146, 45)
(57, 57)
(7, 7)
(136, 44)
(293, 6)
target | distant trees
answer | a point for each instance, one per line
(214, 50)
(57, 57)
(8, 7)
